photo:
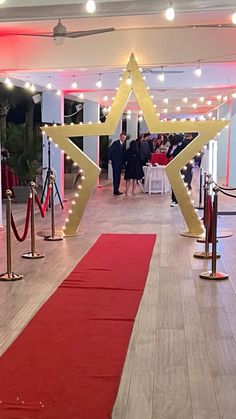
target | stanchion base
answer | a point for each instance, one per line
(203, 240)
(221, 234)
(12, 277)
(31, 255)
(203, 255)
(52, 239)
(217, 275)
(189, 234)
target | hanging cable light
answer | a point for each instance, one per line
(49, 84)
(74, 85)
(99, 82)
(161, 76)
(170, 12)
(198, 70)
(32, 88)
(90, 6)
(27, 84)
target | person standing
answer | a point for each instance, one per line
(133, 167)
(116, 156)
(145, 153)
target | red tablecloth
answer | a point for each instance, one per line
(160, 158)
(9, 178)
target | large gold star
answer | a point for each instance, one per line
(207, 130)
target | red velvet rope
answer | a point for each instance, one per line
(43, 208)
(209, 225)
(18, 237)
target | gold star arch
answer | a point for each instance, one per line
(207, 130)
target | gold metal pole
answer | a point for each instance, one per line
(53, 236)
(213, 274)
(206, 254)
(33, 254)
(9, 275)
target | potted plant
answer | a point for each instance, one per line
(24, 147)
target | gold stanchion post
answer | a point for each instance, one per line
(53, 236)
(213, 274)
(33, 254)
(206, 254)
(9, 275)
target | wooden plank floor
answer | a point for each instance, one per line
(181, 362)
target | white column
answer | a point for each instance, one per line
(0, 191)
(53, 111)
(232, 145)
(132, 127)
(113, 138)
(91, 111)
(223, 112)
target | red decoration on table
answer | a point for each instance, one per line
(160, 158)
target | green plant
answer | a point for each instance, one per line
(24, 146)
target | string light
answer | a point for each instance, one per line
(178, 108)
(198, 71)
(49, 84)
(81, 96)
(90, 6)
(165, 110)
(201, 99)
(194, 105)
(225, 98)
(74, 85)
(218, 97)
(27, 84)
(185, 100)
(209, 102)
(59, 92)
(8, 83)
(32, 88)
(161, 76)
(170, 12)
(99, 82)
(166, 100)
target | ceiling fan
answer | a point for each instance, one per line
(60, 32)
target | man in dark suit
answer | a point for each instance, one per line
(116, 155)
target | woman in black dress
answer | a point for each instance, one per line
(133, 167)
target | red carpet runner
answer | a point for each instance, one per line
(68, 361)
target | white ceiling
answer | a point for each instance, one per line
(218, 77)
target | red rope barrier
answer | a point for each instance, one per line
(18, 237)
(43, 208)
(210, 212)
